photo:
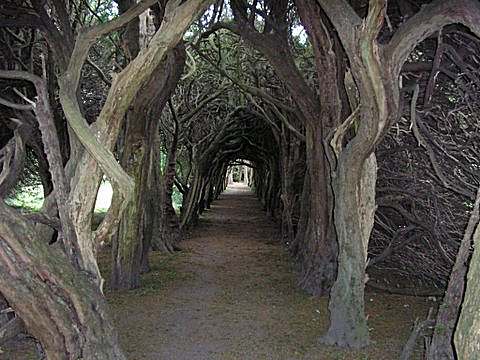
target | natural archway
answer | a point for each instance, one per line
(354, 123)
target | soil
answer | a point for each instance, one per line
(232, 294)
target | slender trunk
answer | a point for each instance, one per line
(192, 201)
(441, 345)
(287, 163)
(169, 230)
(466, 338)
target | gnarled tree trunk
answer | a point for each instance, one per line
(60, 306)
(354, 187)
(317, 251)
(130, 250)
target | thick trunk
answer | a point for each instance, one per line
(127, 246)
(317, 250)
(153, 227)
(62, 307)
(130, 248)
(303, 218)
(354, 188)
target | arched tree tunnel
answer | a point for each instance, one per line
(245, 135)
(353, 123)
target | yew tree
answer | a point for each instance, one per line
(375, 66)
(66, 310)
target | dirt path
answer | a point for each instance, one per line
(232, 295)
(223, 307)
(211, 315)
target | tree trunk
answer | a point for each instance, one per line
(190, 212)
(317, 250)
(467, 333)
(130, 248)
(441, 345)
(288, 158)
(127, 247)
(354, 188)
(61, 306)
(169, 231)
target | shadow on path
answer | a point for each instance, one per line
(232, 294)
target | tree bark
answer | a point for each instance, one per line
(354, 215)
(441, 345)
(130, 248)
(467, 332)
(169, 222)
(317, 251)
(60, 306)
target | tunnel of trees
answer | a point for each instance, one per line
(355, 122)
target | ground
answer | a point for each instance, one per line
(232, 294)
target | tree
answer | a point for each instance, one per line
(139, 158)
(466, 332)
(69, 280)
(316, 237)
(375, 68)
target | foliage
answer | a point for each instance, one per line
(29, 198)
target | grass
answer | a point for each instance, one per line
(162, 274)
(30, 198)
